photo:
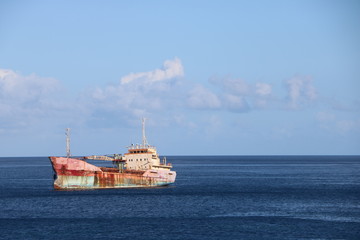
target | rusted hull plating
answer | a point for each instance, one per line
(73, 173)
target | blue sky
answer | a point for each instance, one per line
(211, 77)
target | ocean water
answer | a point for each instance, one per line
(214, 197)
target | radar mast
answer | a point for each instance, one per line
(144, 141)
(67, 133)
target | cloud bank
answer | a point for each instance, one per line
(25, 98)
(171, 69)
(143, 93)
(202, 98)
(300, 91)
(229, 94)
(140, 94)
(339, 123)
(238, 95)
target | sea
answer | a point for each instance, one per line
(214, 197)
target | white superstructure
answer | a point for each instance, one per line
(143, 156)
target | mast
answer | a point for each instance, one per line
(144, 141)
(67, 133)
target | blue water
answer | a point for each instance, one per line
(213, 198)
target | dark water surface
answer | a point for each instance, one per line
(297, 197)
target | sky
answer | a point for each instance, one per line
(211, 77)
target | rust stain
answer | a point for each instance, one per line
(77, 174)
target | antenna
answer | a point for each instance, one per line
(67, 133)
(144, 141)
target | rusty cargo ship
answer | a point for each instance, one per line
(139, 167)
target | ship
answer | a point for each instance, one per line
(140, 167)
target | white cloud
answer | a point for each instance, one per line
(202, 98)
(235, 102)
(231, 85)
(139, 94)
(238, 93)
(263, 89)
(171, 69)
(136, 95)
(29, 102)
(238, 86)
(25, 96)
(263, 95)
(18, 88)
(300, 91)
(345, 124)
(233, 95)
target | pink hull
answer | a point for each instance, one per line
(74, 173)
